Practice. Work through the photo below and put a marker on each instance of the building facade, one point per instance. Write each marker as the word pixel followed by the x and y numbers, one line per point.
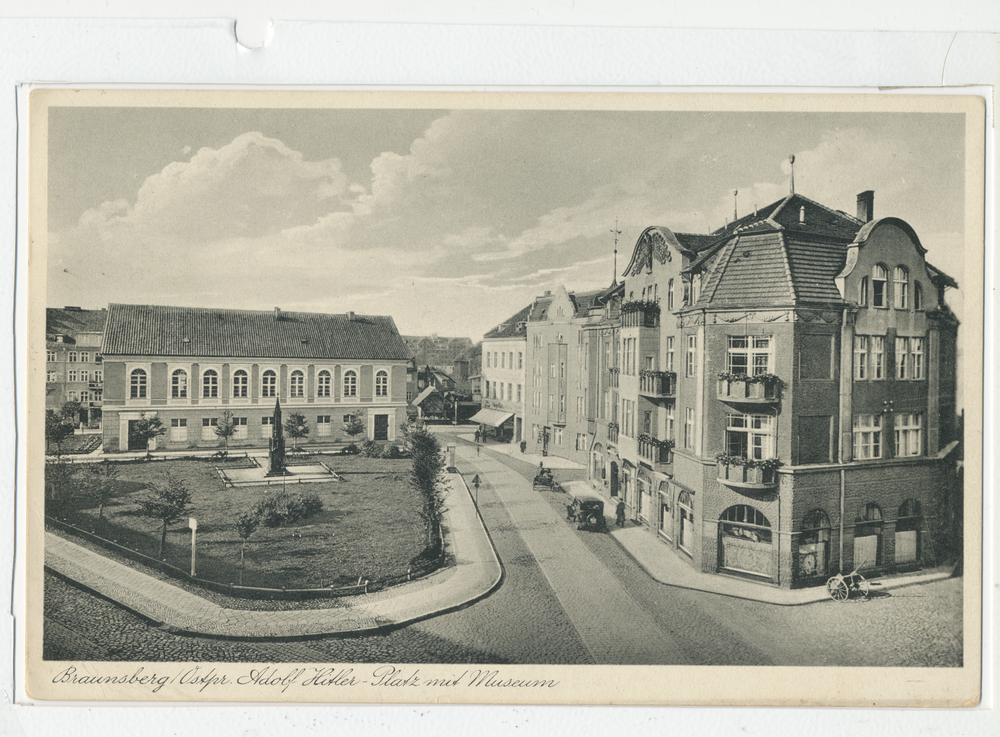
pixel 564 337
pixel 502 379
pixel 74 370
pixel 786 395
pixel 189 365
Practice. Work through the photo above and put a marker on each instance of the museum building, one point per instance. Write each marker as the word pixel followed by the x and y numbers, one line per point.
pixel 189 365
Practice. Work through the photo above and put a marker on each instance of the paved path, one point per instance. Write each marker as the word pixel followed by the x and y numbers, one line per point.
pixel 613 626
pixel 666 566
pixel 476 572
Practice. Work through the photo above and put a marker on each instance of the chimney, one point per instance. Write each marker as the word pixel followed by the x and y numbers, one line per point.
pixel 802 214
pixel 277 313
pixel 866 206
pixel 350 317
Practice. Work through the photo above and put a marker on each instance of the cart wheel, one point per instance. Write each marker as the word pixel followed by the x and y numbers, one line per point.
pixel 863 586
pixel 837 588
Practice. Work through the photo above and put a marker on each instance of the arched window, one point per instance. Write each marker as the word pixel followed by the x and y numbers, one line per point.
pixel 814 545
pixel 269 384
pixel 746 514
pixel 815 520
pixel 918 296
pixel 880 281
pixel 873 512
pixel 863 292
pixel 381 384
pixel 137 384
pixel 297 384
pixel 323 384
pixel 908 524
pixel 744 521
pixel 209 384
pixel 179 384
pixel 350 384
pixel 901 288
pixel 240 384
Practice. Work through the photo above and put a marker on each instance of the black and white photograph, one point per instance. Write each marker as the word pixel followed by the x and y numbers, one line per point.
pixel 505 397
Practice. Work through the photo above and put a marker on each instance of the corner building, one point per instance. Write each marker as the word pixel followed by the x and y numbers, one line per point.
pixel 786 395
pixel 189 365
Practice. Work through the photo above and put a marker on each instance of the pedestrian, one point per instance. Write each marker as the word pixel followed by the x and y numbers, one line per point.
pixel 620 514
pixel 478 435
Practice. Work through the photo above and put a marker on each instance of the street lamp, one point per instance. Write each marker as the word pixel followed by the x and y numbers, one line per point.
pixel 193 524
pixel 476 482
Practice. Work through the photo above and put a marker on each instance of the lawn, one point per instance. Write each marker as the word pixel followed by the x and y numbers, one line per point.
pixel 369 526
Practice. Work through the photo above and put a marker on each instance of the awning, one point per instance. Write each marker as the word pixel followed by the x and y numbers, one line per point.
pixel 423 395
pixel 491 417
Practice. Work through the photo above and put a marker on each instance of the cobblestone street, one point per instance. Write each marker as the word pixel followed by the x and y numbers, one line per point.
pixel 567 597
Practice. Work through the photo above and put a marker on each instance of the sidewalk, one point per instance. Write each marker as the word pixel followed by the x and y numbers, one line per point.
pixel 666 566
pixel 475 573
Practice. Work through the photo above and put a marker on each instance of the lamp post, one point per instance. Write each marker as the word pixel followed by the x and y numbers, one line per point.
pixel 193 524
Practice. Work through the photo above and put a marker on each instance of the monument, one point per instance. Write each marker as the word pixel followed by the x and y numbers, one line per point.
pixel 276 444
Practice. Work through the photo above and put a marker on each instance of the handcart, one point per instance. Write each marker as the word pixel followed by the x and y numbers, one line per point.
pixel 843 585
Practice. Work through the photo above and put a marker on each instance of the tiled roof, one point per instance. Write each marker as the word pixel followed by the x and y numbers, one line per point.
pixel 192 331
pixel 586 301
pixel 750 270
pixel 695 241
pixel 72 321
pixel 512 327
pixel 539 309
pixel 814 266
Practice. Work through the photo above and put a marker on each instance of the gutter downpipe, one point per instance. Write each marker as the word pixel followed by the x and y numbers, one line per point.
pixel 846 349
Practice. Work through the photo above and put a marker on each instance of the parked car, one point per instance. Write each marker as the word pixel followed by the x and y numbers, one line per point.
pixel 588 512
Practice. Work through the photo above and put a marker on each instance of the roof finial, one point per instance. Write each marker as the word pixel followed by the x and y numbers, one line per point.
pixel 735 215
pixel 791 178
pixel 614 275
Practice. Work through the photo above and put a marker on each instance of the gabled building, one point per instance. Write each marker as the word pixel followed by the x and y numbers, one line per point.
pixel 786 394
pixel 73 368
pixel 189 365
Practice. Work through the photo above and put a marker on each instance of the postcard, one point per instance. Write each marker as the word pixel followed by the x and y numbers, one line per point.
pixel 520 397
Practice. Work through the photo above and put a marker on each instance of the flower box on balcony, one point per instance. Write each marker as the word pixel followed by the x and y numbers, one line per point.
pixel 747 473
pixel 750 389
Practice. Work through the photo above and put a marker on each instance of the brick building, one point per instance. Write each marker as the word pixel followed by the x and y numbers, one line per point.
pixel 188 365
pixel 74 371
pixel 785 394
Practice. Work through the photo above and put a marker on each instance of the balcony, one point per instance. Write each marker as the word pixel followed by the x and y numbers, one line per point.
pixel 655 451
pixel 96 385
pixel 640 314
pixel 743 389
pixel 658 384
pixel 745 473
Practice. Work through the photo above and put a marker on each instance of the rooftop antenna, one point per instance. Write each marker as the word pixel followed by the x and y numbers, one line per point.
pixel 614 275
pixel 735 216
pixel 791 179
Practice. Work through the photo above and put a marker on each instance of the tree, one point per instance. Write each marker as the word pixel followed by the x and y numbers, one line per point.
pixel 71 412
pixel 168 501
pixel 59 486
pixel 104 481
pixel 296 427
pixel 245 526
pixel 56 430
pixel 225 428
pixel 354 427
pixel 427 477
pixel 147 428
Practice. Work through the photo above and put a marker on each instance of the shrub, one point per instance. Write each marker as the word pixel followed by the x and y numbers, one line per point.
pixel 350 450
pixel 391 451
pixel 370 449
pixel 283 509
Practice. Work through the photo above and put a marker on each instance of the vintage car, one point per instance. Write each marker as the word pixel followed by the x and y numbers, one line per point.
pixel 588 513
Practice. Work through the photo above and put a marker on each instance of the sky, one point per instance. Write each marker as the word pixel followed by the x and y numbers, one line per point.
pixel 449 221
